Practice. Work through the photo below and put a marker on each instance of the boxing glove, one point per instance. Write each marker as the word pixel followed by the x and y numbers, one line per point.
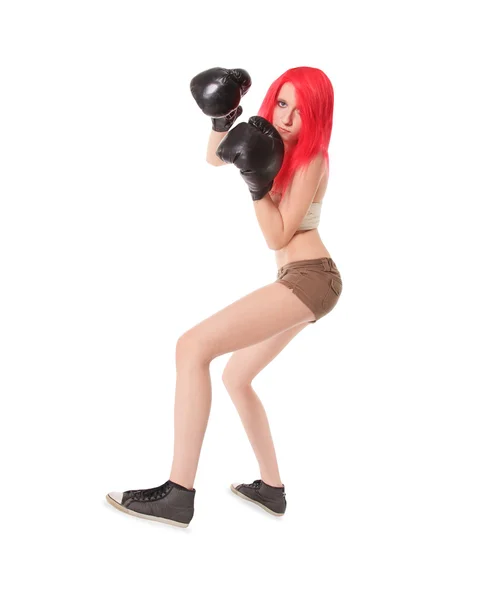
pixel 218 93
pixel 225 123
pixel 257 150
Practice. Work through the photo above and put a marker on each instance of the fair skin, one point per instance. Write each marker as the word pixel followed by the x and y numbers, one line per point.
pixel 255 329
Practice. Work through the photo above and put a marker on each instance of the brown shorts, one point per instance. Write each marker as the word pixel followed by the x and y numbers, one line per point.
pixel 316 281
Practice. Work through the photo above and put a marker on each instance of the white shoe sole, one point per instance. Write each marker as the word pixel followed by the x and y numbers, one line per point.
pixel 238 493
pixel 113 502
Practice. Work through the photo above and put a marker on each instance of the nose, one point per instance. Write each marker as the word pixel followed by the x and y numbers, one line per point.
pixel 287 120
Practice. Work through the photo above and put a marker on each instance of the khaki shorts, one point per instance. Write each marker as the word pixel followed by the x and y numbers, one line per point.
pixel 316 281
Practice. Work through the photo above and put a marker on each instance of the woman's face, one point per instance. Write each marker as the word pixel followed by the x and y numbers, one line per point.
pixel 286 117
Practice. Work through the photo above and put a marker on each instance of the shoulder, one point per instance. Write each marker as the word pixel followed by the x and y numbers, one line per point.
pixel 309 176
pixel 314 168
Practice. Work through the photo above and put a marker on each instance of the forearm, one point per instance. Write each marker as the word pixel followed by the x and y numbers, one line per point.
pixel 270 221
pixel 215 138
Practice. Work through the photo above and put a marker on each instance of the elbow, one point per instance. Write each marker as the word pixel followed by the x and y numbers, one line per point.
pixel 275 245
pixel 215 163
pixel 278 244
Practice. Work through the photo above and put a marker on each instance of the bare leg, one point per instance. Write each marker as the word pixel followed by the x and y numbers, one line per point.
pixel 243 366
pixel 191 414
pixel 252 319
pixel 256 424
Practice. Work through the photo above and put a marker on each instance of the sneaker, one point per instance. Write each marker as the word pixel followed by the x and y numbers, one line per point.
pixel 270 498
pixel 169 503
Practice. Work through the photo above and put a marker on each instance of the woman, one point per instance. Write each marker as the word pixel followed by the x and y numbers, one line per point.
pixel 292 130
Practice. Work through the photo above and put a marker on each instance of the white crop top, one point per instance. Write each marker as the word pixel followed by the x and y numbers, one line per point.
pixel 312 217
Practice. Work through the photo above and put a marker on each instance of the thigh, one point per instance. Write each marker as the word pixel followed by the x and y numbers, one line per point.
pixel 250 320
pixel 247 363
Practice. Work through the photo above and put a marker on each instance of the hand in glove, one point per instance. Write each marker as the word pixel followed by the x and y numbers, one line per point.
pixel 257 150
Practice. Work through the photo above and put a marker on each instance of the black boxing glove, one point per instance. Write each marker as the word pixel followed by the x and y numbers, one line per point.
pixel 257 150
pixel 218 93
pixel 225 123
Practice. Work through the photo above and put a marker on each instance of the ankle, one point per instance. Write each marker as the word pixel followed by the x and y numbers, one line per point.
pixel 273 482
pixel 181 484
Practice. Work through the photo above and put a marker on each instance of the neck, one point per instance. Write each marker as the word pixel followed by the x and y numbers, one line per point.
pixel 288 146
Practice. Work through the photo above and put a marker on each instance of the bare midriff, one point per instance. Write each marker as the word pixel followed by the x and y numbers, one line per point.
pixel 304 244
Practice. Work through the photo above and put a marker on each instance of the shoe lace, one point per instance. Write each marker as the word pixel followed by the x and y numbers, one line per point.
pixel 257 484
pixel 151 493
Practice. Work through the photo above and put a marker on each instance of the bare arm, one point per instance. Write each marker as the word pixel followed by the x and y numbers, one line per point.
pixel 270 221
pixel 215 139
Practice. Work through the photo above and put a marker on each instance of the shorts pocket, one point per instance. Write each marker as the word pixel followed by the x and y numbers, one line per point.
pixel 337 286
pixel 332 294
pixel 293 277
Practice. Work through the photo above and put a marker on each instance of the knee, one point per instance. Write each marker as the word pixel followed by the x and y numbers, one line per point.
pixel 190 346
pixel 233 379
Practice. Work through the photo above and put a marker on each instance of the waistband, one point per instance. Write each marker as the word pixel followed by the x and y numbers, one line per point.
pixel 325 263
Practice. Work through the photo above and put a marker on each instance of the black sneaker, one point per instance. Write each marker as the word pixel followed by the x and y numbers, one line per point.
pixel 169 503
pixel 269 497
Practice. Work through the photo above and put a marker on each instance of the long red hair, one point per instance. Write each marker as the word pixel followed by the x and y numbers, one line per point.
pixel 315 100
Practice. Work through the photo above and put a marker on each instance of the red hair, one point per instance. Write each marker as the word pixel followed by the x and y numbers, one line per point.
pixel 315 100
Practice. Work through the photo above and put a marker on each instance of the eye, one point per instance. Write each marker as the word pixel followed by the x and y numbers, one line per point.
pixel 279 102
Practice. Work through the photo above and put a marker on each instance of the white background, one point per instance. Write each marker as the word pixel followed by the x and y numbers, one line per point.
pixel 116 237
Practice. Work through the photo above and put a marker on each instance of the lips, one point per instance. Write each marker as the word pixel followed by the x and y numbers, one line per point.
pixel 282 129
